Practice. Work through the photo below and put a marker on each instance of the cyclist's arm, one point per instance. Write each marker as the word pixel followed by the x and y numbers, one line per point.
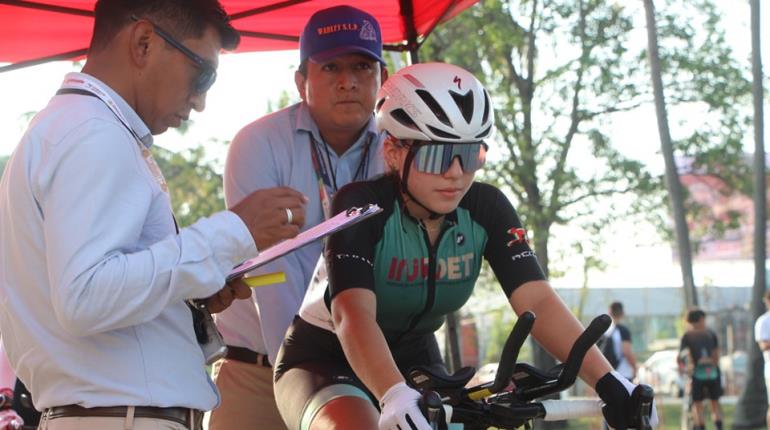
pixel 523 281
pixel 354 313
pixel 556 328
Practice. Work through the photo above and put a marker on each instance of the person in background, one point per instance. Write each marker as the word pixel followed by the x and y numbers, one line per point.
pixel 699 353
pixel 316 146
pixel 616 344
pixel 95 274
pixel 762 336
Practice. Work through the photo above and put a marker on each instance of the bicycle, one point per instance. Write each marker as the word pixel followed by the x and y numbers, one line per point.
pixel 496 404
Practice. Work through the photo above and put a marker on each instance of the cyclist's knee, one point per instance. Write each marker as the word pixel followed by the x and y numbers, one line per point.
pixel 346 413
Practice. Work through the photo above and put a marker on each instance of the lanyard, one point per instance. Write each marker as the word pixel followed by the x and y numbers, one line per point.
pixel 83 84
pixel 327 179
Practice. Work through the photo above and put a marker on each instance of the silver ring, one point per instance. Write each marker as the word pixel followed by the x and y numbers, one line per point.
pixel 289 216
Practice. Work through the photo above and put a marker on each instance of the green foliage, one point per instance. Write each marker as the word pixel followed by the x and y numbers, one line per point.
pixel 669 416
pixel 557 69
pixel 3 160
pixel 284 99
pixel 554 71
pixel 195 187
pixel 501 324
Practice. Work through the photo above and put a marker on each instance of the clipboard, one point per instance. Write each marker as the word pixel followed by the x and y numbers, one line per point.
pixel 334 224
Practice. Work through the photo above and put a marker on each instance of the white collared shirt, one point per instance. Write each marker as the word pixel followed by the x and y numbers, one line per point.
pixel 93 277
pixel 275 151
pixel 762 334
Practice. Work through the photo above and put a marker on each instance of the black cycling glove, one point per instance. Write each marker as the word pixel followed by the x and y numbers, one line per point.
pixel 621 408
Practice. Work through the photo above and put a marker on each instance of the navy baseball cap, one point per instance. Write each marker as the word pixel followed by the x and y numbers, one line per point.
pixel 340 30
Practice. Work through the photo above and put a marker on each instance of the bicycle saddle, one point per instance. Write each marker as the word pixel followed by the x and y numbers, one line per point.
pixel 436 377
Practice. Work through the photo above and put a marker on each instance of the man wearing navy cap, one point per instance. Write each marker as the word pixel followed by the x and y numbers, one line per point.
pixel 316 146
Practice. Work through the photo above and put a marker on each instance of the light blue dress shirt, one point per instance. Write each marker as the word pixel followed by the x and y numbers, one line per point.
pixel 275 151
pixel 93 276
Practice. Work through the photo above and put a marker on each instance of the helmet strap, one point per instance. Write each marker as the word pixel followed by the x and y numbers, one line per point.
pixel 405 188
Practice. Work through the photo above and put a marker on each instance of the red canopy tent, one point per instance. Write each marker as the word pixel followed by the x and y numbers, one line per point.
pixel 33 32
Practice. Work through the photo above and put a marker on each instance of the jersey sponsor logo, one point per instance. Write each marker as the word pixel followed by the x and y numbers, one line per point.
pixel 410 269
pixel 523 255
pixel 519 236
pixel 329 29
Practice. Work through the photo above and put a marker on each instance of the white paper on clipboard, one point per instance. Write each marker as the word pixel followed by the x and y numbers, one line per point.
pixel 336 223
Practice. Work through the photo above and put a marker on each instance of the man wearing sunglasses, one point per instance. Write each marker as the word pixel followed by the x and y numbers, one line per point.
pixel 94 273
pixel 315 146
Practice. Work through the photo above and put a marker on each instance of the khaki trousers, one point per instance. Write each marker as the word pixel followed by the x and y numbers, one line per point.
pixel 247 397
pixel 111 423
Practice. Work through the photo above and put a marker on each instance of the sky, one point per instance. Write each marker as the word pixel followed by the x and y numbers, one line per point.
pixel 248 82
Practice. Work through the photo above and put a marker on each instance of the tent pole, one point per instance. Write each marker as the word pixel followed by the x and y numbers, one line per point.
pixel 407 13
pixel 58 57
pixel 48 7
pixel 265 9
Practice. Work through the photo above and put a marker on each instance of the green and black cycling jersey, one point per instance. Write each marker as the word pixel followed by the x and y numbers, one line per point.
pixel 417 284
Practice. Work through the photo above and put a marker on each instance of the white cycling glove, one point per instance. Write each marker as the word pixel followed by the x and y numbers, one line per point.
pixel 400 410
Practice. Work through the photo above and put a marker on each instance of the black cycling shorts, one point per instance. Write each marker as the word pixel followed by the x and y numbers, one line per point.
pixel 311 370
pixel 701 390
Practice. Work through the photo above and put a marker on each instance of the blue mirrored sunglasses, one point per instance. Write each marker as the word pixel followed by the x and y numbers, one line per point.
pixel 437 157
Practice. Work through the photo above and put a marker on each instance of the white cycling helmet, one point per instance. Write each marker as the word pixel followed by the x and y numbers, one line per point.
pixel 436 102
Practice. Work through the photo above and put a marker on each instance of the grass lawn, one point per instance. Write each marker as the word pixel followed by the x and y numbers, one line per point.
pixel 669 416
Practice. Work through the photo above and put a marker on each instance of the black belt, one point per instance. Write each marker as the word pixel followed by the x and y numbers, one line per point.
pixel 177 415
pixel 245 355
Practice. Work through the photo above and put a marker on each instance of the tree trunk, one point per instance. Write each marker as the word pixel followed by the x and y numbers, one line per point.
pixel 752 404
pixel 672 175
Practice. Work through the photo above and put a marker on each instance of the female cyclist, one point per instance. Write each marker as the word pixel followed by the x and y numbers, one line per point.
pixel 394 277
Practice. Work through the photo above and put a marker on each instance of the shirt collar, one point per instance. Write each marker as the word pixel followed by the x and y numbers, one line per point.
pixel 305 123
pixel 134 121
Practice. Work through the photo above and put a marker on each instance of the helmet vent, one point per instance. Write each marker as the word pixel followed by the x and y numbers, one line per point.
pixel 379 104
pixel 443 134
pixel 402 117
pixel 484 133
pixel 434 107
pixel 487 103
pixel 464 102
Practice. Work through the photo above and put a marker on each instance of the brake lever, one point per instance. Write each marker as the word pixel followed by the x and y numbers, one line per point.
pixel 431 406
pixel 645 395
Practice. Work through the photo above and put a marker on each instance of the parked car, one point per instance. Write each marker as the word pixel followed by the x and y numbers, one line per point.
pixel 661 372
pixel 733 368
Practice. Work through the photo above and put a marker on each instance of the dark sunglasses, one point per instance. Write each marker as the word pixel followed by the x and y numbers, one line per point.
pixel 437 157
pixel 207 73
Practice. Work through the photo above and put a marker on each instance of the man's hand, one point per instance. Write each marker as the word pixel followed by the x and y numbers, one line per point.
pixel 272 214
pixel 235 289
pixel 9 419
